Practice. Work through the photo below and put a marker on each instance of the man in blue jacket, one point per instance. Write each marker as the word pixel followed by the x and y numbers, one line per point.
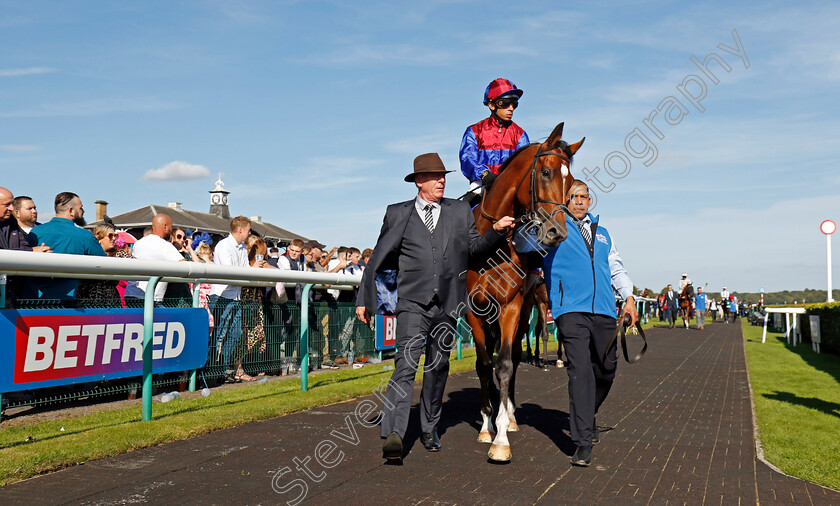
pixel 700 308
pixel 581 274
pixel 64 235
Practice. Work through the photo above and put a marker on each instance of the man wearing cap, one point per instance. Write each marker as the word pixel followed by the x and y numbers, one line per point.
pixel 488 143
pixel 317 250
pixel 427 240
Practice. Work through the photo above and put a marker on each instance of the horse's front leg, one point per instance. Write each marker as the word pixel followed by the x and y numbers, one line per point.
pixel 516 358
pixel 484 368
pixel 509 320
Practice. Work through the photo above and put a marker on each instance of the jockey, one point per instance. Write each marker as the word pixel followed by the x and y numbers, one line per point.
pixel 488 143
pixel 685 281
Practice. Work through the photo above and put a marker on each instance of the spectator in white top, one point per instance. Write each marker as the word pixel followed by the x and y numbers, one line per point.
pixel 155 246
pixel 223 300
pixel 337 265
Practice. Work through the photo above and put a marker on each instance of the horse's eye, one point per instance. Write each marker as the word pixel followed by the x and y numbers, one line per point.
pixel 546 173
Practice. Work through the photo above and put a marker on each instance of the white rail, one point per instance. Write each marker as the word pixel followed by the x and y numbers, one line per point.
pixel 24 263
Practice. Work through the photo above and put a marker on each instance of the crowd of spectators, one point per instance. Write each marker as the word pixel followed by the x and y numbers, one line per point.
pixel 233 335
pixel 726 307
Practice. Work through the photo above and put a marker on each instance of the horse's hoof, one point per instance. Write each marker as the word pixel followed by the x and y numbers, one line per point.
pixel 485 437
pixel 499 453
pixel 513 426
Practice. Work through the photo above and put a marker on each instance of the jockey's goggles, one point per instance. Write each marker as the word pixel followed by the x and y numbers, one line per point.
pixel 504 103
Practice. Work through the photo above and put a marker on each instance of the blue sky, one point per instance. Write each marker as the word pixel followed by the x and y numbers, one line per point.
pixel 313 111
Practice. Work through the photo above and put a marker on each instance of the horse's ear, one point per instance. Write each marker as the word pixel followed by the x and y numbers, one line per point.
pixel 576 146
pixel 555 136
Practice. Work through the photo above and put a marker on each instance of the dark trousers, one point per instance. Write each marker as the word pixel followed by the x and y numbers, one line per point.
pixel 585 337
pixel 419 329
pixel 227 314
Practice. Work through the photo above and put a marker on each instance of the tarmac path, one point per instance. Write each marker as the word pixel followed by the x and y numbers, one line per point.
pixel 682 433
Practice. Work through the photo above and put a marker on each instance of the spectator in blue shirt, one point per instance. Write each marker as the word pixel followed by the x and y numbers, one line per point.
pixel 700 308
pixel 64 235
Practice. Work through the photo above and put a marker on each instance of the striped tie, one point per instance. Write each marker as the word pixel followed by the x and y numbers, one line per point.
pixel 584 231
pixel 430 220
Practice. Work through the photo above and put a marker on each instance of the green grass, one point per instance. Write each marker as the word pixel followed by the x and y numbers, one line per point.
pixel 797 403
pixel 112 432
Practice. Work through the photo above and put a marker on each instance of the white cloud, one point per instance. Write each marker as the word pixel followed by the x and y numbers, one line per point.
pixel 20 148
pixel 92 107
pixel 29 71
pixel 177 171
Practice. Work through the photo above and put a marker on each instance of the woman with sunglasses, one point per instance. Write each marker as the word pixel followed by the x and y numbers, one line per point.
pixel 488 143
pixel 101 292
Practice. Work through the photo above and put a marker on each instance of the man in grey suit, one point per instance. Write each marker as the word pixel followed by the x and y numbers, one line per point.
pixel 672 306
pixel 428 241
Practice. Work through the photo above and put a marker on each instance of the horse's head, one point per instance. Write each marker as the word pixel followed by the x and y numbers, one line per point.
pixel 544 198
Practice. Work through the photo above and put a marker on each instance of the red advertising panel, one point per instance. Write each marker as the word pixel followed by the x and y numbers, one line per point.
pixel 42 348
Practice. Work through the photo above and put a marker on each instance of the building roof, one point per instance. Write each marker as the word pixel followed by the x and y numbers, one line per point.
pixel 196 221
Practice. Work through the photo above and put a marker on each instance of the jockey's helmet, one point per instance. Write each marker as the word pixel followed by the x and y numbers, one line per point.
pixel 500 87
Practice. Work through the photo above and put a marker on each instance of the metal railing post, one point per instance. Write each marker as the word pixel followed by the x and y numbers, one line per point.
pixel 148 335
pixel 196 303
pixel 304 337
pixel 459 336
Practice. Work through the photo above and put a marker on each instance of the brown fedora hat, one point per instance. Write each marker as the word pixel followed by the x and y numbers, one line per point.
pixel 426 164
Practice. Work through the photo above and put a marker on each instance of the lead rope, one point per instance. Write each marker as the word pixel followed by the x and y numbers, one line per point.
pixel 622 331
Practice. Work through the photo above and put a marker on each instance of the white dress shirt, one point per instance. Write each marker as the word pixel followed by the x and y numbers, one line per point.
pixel 152 247
pixel 228 252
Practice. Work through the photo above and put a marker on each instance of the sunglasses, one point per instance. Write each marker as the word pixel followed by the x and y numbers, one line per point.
pixel 111 236
pixel 179 236
pixel 504 103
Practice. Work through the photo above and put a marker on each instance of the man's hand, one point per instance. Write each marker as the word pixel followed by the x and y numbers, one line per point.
pixel 43 248
pixel 504 223
pixel 362 314
pixel 630 308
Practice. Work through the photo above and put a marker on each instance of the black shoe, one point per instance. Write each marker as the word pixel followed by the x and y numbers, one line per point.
pixel 392 448
pixel 596 436
pixel 582 456
pixel 430 441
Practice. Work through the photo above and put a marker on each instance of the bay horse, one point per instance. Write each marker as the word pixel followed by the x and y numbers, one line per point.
pixel 532 186
pixel 685 303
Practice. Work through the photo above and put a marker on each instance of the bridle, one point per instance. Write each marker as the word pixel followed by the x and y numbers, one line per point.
pixel 531 214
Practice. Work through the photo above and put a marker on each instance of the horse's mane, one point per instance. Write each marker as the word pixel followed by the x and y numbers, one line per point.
pixel 561 144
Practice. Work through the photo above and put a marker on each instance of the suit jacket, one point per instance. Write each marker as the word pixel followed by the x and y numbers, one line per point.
pixel 460 239
pixel 672 301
